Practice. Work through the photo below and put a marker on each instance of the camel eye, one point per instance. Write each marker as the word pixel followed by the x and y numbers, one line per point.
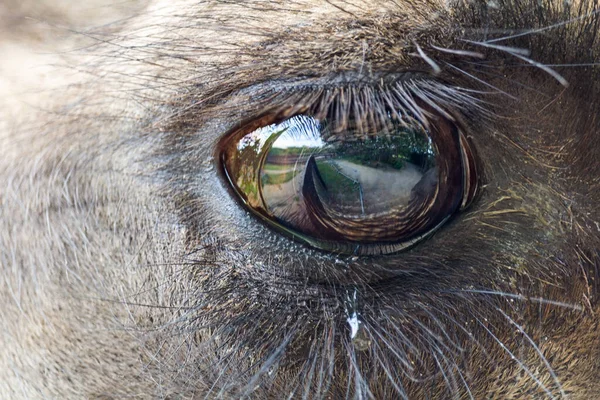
pixel 350 190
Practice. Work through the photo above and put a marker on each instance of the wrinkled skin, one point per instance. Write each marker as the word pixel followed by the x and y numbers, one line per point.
pixel 129 269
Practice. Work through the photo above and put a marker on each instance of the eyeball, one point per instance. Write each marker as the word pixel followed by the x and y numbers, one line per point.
pixel 351 191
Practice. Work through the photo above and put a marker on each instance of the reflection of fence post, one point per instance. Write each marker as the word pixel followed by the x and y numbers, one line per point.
pixel 354 181
pixel 360 193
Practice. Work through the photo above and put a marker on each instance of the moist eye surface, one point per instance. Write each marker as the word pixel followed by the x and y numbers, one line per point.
pixel 358 187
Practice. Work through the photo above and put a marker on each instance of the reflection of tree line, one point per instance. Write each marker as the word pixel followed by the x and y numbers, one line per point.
pixel 393 152
pixel 286 159
pixel 296 159
pixel 246 166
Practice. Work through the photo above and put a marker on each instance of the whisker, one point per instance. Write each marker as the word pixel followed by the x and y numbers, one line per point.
pixel 269 362
pixel 524 298
pixel 546 28
pixel 361 386
pixel 466 385
pixel 516 359
pixel 507 49
pixel 434 66
pixel 391 377
pixel 521 55
pixel 515 82
pixel 482 82
pixel 537 350
pixel 465 53
pixel 554 65
pixel 546 69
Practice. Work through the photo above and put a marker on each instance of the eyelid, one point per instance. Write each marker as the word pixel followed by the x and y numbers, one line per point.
pixel 365 110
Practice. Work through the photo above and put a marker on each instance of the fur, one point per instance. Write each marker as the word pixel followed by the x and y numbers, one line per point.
pixel 130 270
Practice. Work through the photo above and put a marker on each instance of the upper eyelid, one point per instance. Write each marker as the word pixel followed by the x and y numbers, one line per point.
pixel 406 94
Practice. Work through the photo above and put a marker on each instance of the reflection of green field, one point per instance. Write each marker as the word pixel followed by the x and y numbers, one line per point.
pixel 334 181
pixel 394 161
pixel 250 190
pixel 278 179
pixel 277 167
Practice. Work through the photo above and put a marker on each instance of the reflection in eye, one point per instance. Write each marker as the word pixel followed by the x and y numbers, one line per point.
pixel 351 192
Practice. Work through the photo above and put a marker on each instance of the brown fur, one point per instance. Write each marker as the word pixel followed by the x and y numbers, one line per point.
pixel 129 269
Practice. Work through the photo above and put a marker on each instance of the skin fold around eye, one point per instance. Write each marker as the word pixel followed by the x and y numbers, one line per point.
pixel 374 180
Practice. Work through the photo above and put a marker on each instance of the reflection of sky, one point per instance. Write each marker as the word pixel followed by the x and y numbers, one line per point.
pixel 286 141
pixel 302 131
pixel 258 137
pixel 298 131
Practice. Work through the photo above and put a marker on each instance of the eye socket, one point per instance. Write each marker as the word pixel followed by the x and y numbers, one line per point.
pixel 344 183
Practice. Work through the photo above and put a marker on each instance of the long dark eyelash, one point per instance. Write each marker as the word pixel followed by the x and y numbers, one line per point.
pixel 368 109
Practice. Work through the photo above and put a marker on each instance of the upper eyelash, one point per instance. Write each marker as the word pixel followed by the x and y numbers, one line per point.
pixel 369 108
